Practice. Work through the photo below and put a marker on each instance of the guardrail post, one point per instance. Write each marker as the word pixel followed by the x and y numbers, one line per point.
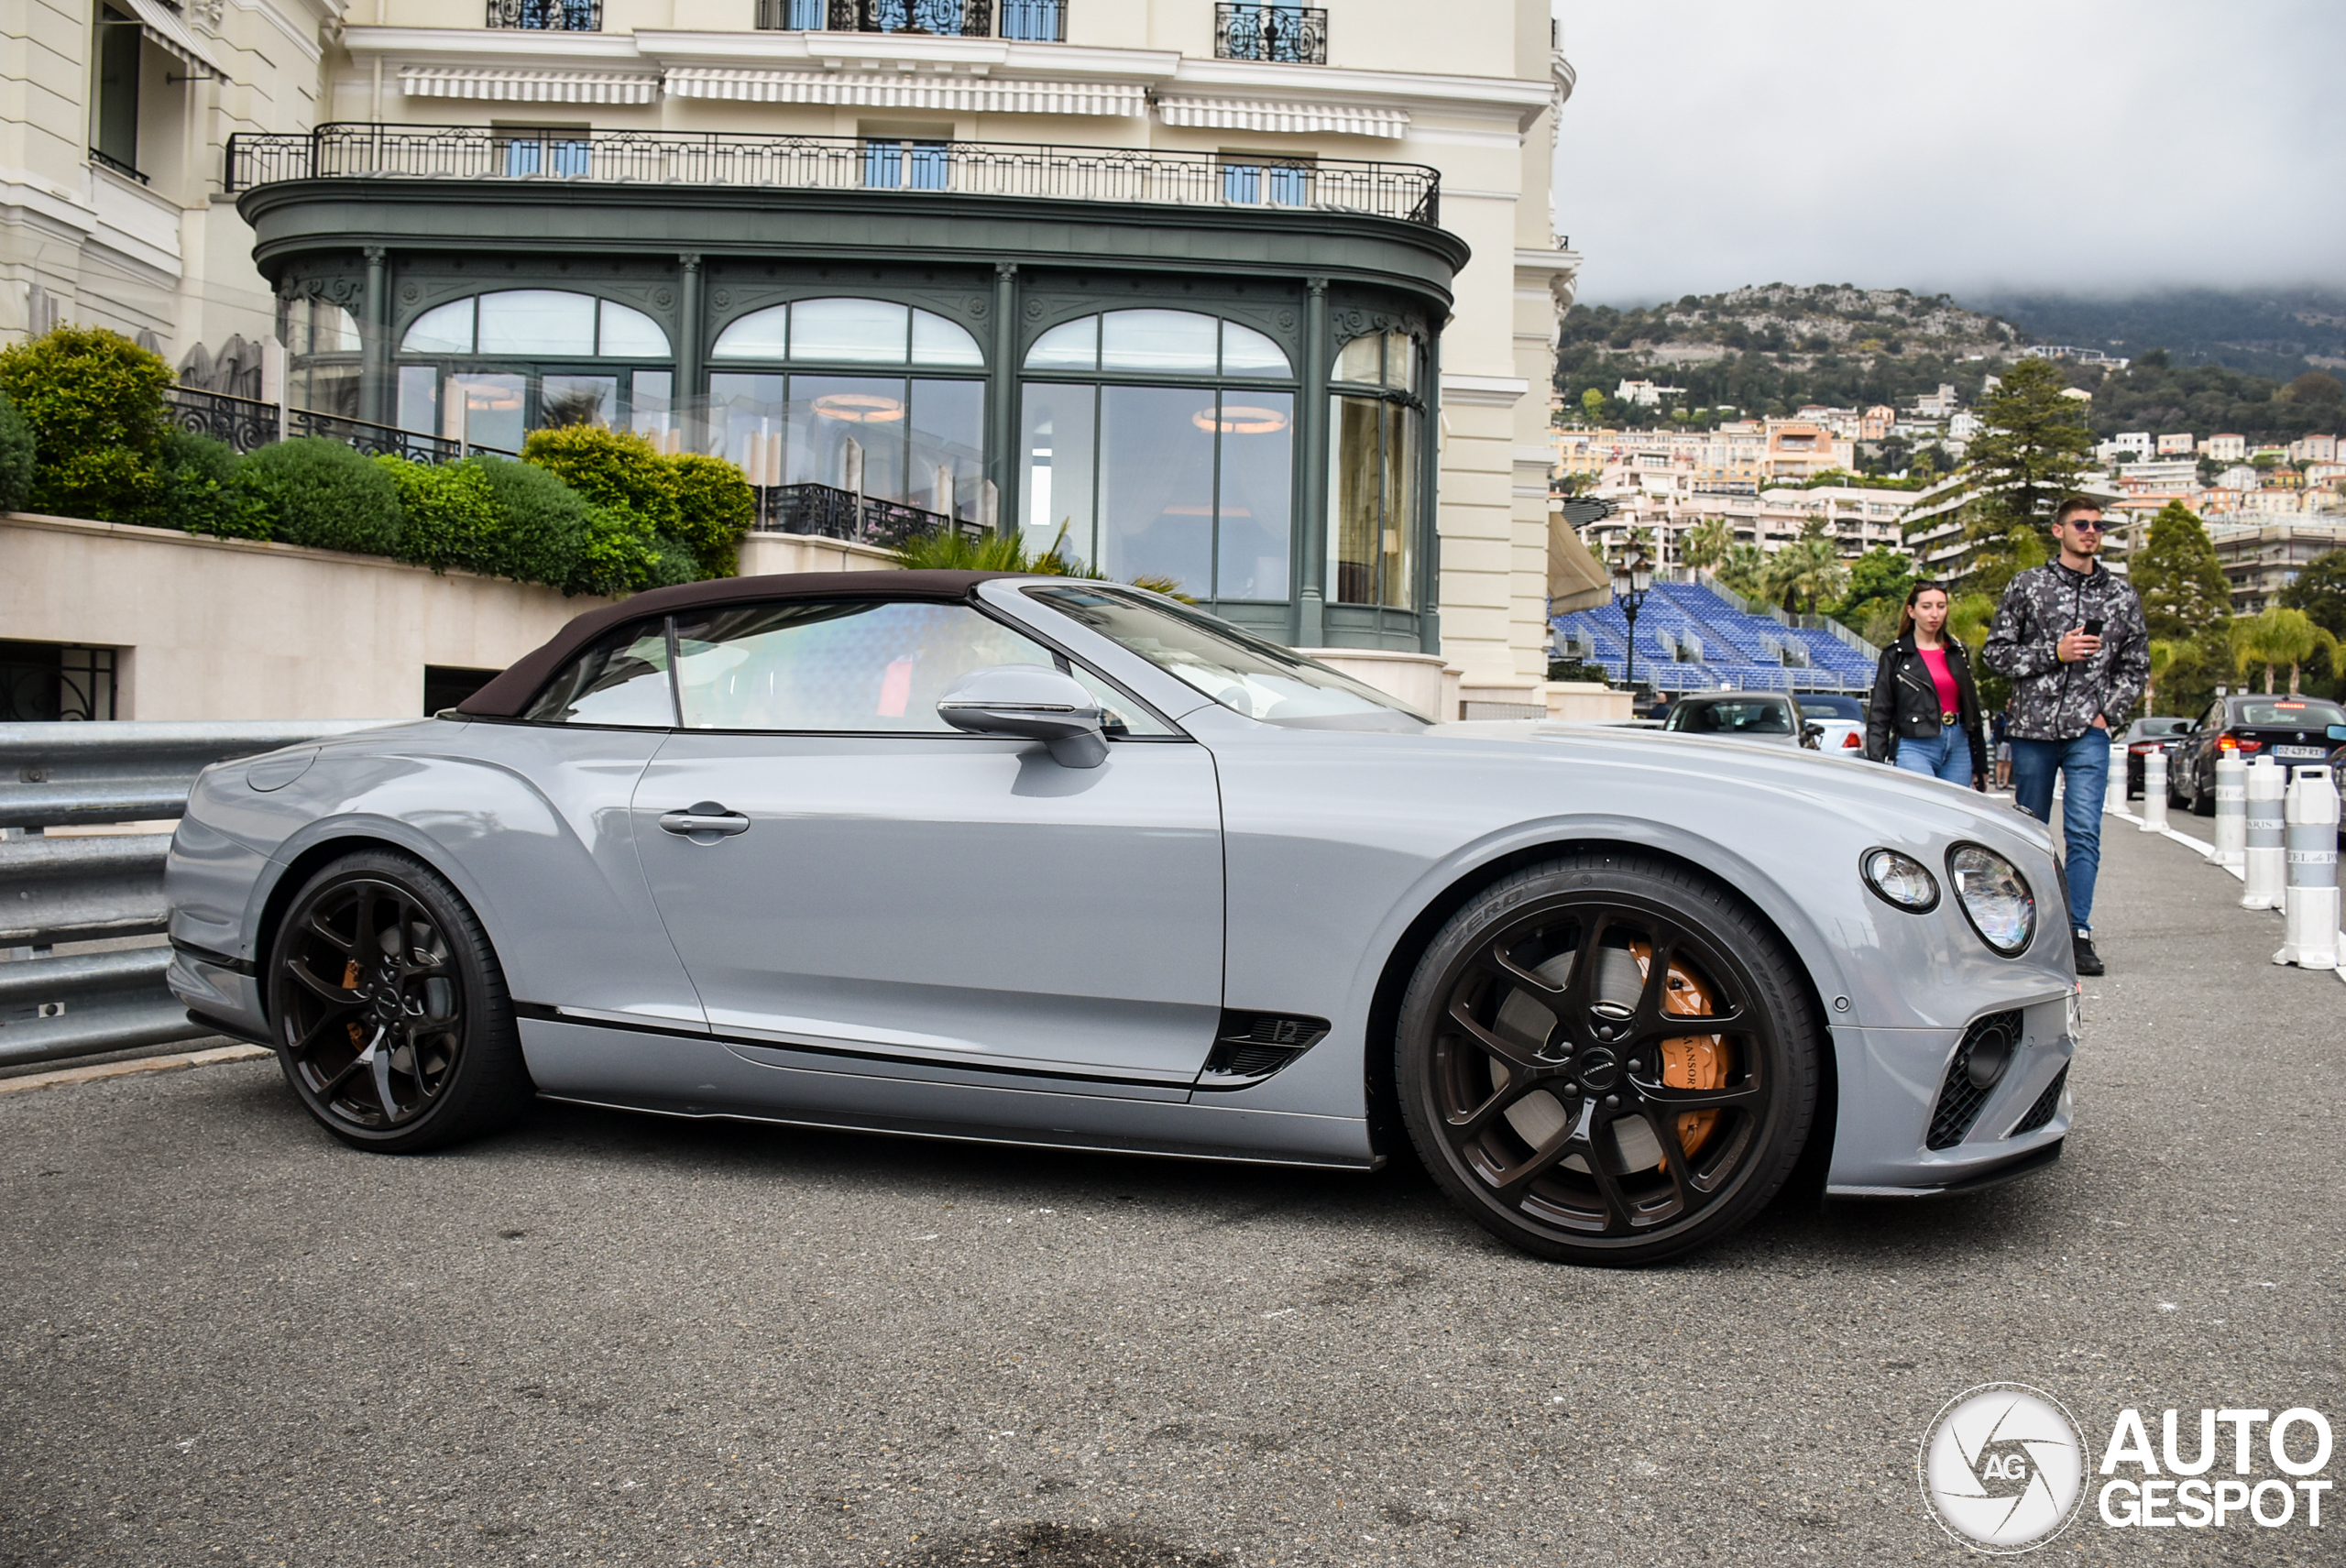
pixel 2264 868
pixel 2310 900
pixel 2154 791
pixel 2231 810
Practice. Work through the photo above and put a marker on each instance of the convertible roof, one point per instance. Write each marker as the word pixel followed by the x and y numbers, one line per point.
pixel 510 693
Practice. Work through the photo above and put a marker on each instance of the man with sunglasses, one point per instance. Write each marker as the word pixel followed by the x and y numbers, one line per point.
pixel 2071 636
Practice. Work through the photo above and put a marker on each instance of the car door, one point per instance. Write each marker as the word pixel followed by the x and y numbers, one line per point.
pixel 882 886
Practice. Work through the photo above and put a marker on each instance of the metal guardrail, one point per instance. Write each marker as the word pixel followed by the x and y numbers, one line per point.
pixel 77 888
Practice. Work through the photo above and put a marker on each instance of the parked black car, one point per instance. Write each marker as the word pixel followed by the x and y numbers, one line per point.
pixel 2146 736
pixel 2289 729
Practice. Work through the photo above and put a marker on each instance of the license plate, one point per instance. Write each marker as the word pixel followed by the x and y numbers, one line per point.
pixel 2300 754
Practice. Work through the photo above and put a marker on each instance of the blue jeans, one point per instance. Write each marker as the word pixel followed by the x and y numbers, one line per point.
pixel 1946 755
pixel 2084 765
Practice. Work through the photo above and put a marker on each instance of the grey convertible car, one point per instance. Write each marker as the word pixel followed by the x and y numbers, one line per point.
pixel 1051 861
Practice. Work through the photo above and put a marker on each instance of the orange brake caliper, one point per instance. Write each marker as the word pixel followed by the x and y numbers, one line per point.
pixel 1689 1061
pixel 350 982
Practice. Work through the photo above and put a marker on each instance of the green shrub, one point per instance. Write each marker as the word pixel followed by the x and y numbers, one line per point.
pixel 612 468
pixel 198 492
pixel 16 457
pixel 617 558
pixel 94 402
pixel 714 507
pixel 544 524
pixel 673 561
pixel 321 493
pixel 448 516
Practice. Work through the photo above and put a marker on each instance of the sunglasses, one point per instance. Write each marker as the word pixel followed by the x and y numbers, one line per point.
pixel 2083 526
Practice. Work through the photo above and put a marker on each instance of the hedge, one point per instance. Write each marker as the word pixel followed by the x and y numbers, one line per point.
pixel 325 494
pixel 16 457
pixel 95 402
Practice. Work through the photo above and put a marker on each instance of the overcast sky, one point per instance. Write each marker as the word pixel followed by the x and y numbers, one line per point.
pixel 2077 145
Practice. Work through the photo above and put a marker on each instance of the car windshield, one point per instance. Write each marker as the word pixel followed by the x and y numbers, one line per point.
pixel 1826 706
pixel 1244 673
pixel 2288 713
pixel 2164 726
pixel 1733 715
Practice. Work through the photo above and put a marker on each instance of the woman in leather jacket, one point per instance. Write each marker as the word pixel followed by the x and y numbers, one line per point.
pixel 1924 715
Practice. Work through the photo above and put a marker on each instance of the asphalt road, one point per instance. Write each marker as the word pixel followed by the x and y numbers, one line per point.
pixel 605 1339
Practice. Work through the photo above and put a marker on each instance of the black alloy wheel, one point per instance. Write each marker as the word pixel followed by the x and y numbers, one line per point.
pixel 1608 1059
pixel 393 1020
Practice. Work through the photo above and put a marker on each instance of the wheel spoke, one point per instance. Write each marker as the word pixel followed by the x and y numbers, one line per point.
pixel 383 1082
pixel 1609 1186
pixel 1673 1158
pixel 335 995
pixel 1498 1044
pixel 1580 987
pixel 329 1021
pixel 1502 1100
pixel 1542 989
pixel 365 1058
pixel 1512 1182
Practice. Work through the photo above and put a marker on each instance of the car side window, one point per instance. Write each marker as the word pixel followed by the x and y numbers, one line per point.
pixel 852 666
pixel 622 680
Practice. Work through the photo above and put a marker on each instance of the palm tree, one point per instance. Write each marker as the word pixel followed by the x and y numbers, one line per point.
pixel 2293 640
pixel 1706 544
pixel 1743 570
pixel 1807 570
pixel 1968 616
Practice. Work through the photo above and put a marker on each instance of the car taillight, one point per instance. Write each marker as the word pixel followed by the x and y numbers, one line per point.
pixel 2234 743
pixel 1850 743
pixel 2139 750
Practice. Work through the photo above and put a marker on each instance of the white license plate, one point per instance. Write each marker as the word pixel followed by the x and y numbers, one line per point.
pixel 2300 754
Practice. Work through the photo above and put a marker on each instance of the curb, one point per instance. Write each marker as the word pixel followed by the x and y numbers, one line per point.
pixel 172 1063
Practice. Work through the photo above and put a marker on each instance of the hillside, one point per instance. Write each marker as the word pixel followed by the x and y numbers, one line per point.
pixel 1769 349
pixel 2279 333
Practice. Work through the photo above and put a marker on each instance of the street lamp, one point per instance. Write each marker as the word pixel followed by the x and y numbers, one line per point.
pixel 1631 579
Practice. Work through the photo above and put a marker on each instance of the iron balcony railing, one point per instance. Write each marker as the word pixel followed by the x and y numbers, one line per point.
pixel 1043 19
pixel 548 16
pixel 245 423
pixel 1294 35
pixel 827 511
pixel 1406 191
pixel 107 160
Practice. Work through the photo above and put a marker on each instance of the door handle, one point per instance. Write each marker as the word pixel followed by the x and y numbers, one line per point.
pixel 704 816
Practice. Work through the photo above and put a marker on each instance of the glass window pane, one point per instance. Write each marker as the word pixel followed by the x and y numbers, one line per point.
pixel 871 332
pixel 1058 429
pixel 1156 484
pixel 1246 352
pixel 1400 361
pixel 748 416
pixel 537 321
pixel 1158 340
pixel 858 666
pixel 945 444
pixel 1358 360
pixel 1255 495
pixel 1071 346
pixel 578 400
pixel 420 399
pixel 329 387
pixel 649 402
pixel 490 408
pixel 630 334
pixel 1356 499
pixel 937 341
pixel 622 679
pixel 1397 544
pixel 761 334
pixel 444 329
pixel 831 416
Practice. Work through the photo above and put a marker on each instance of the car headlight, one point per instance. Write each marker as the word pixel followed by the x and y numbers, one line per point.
pixel 1900 879
pixel 1995 898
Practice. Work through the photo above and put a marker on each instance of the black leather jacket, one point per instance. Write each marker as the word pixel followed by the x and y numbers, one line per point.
pixel 1905 701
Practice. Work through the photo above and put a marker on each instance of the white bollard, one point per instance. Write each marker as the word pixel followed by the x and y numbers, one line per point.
pixel 2310 904
pixel 2266 876
pixel 2154 792
pixel 2231 810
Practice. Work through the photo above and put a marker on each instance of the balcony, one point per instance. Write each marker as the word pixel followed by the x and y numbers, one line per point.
pixel 547 16
pixel 912 170
pixel 1044 20
pixel 1292 35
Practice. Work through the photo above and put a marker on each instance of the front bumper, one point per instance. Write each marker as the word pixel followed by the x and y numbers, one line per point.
pixel 217 995
pixel 1891 1082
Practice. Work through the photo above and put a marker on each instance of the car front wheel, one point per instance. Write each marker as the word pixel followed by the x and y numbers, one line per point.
pixel 392 1020
pixel 1608 1059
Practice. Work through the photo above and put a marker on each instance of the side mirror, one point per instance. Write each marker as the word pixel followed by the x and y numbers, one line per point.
pixel 1028 702
pixel 1812 734
pixel 2338 733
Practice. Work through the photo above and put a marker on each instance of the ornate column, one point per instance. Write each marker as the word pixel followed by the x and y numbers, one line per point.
pixel 1003 456
pixel 375 340
pixel 692 391
pixel 1312 428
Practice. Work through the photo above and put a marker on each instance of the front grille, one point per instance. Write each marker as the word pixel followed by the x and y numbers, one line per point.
pixel 1960 1100
pixel 2047 1104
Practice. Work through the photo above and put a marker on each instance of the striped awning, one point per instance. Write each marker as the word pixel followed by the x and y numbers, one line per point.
pixel 529 86
pixel 1256 114
pixel 167 31
pixel 963 94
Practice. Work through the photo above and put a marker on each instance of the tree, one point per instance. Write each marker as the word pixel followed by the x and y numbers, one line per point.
pixel 2279 635
pixel 1878 580
pixel 1706 543
pixel 2320 591
pixel 1806 571
pixel 1742 571
pixel 2029 455
pixel 2162 652
pixel 2175 571
pixel 1592 403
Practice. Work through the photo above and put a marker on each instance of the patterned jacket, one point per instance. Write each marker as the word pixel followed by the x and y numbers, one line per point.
pixel 2051 700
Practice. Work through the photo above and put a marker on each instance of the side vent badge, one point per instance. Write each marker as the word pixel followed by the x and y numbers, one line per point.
pixel 1250 1046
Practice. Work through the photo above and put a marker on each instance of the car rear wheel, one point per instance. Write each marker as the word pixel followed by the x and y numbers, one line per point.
pixel 2203 800
pixel 1608 1059
pixel 392 1020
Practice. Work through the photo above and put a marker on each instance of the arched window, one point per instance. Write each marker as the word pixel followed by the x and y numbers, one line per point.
pixel 1155 446
pixel 491 367
pixel 818 421
pixel 1376 426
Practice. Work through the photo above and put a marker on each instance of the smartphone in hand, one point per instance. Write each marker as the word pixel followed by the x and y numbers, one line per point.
pixel 2093 626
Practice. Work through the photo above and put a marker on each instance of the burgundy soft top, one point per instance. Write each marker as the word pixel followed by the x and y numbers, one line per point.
pixel 510 693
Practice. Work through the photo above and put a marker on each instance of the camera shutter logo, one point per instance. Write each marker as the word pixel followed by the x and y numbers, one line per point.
pixel 2002 1468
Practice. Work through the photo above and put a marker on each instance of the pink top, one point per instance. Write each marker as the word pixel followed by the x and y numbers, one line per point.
pixel 1943 678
